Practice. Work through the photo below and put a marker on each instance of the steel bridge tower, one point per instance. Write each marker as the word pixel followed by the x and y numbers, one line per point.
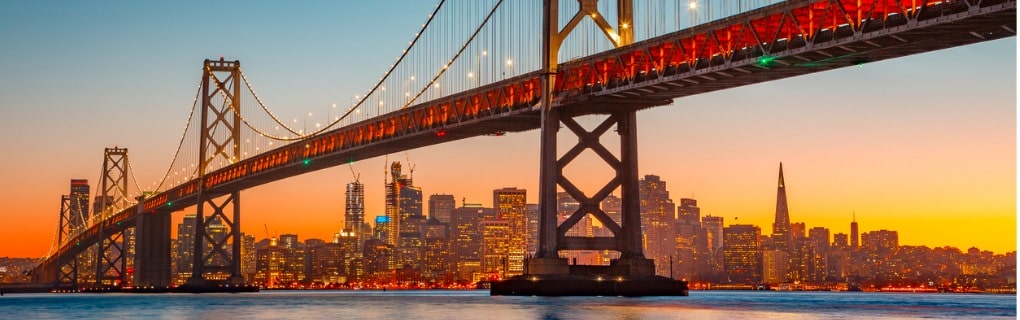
pixel 220 139
pixel 65 274
pixel 111 258
pixel 547 273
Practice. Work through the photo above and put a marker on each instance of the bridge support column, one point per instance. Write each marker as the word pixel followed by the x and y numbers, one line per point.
pixel 547 273
pixel 218 241
pixel 152 248
pixel 217 251
pixel 111 256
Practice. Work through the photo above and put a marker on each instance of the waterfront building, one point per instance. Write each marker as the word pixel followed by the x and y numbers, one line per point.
pixel 509 204
pixel 658 222
pixel 741 254
pixel 495 249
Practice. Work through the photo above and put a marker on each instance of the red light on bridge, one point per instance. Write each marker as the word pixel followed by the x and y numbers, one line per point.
pixel 441 133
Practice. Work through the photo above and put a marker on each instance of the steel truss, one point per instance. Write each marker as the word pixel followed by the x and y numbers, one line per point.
pixel 110 259
pixel 221 107
pixel 66 273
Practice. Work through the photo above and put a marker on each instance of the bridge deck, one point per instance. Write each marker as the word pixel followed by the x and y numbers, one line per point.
pixel 771 43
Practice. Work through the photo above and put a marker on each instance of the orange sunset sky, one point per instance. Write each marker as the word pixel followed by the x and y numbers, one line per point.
pixel 924 145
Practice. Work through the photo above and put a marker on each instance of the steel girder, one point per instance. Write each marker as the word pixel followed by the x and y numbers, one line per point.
pixel 211 254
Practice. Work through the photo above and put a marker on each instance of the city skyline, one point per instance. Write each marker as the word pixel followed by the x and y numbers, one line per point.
pixel 944 176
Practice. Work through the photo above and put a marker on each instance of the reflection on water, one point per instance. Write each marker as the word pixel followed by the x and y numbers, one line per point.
pixel 479 305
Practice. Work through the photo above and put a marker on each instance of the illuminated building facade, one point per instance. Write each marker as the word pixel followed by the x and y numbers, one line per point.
pixel 441 207
pixel 741 257
pixel 658 222
pixel 510 205
pixel 495 248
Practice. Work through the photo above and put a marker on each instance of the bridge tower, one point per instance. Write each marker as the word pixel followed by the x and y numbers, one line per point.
pixel 66 272
pixel 547 273
pixel 627 234
pixel 220 139
pixel 111 258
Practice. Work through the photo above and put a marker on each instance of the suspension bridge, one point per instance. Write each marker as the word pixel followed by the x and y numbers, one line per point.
pixel 490 67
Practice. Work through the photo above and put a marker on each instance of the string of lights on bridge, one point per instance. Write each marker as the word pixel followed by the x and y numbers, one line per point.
pixel 479 43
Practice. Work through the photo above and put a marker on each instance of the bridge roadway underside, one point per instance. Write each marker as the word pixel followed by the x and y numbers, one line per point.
pixel 790 59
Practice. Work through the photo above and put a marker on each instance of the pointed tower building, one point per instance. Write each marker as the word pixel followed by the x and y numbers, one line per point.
pixel 781 226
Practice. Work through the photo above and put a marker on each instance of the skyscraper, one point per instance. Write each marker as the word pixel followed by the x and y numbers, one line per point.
pixel 510 206
pixel 781 226
pixel 185 247
pixel 854 235
pixel 818 266
pixel 437 249
pixel 396 209
pixel 441 206
pixel 658 221
pixel 496 237
pixel 79 204
pixel 532 228
pixel 741 259
pixel 403 203
pixel 466 238
pixel 354 214
pixel 248 256
pixel 713 227
pixel 692 253
pixel 382 228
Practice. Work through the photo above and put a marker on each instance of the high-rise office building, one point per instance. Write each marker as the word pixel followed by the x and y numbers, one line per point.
pixel 402 200
pixel 854 235
pixel 437 249
pixel 510 207
pixel 613 207
pixel 354 214
pixel 713 227
pixel 441 207
pixel 781 226
pixel 840 241
pixel 692 255
pixel 533 218
pixel 495 253
pixel 818 265
pixel 382 228
pixel 466 238
pixel 881 242
pixel 658 221
pixel 377 259
pixel 774 263
pixel 248 256
pixel 185 249
pixel 567 205
pixel 800 253
pixel 688 212
pixel 79 210
pixel 741 258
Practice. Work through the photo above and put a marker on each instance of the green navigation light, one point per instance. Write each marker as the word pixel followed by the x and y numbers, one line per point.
pixel 306 162
pixel 766 61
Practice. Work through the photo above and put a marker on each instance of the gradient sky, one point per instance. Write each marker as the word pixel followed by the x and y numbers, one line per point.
pixel 925 145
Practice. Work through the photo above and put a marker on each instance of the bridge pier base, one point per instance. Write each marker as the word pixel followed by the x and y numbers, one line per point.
pixel 152 249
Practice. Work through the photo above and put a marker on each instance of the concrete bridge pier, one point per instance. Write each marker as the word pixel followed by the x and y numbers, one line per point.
pixel 152 249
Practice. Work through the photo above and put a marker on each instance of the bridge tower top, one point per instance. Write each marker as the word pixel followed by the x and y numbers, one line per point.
pixel 220 134
pixel 113 185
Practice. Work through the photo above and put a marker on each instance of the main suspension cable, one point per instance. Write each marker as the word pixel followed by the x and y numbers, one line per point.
pixel 455 56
